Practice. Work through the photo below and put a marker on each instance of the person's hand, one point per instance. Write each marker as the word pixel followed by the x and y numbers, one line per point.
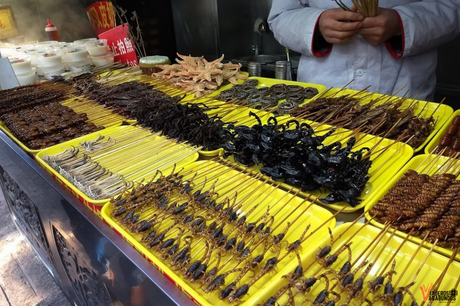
pixel 379 29
pixel 338 26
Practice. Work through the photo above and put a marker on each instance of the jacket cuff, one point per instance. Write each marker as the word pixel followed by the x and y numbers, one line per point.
pixel 396 44
pixel 319 46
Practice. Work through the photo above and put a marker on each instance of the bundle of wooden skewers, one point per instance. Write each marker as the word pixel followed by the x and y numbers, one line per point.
pixel 369 8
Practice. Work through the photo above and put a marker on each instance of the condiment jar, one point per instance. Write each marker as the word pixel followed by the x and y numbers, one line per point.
pixel 148 64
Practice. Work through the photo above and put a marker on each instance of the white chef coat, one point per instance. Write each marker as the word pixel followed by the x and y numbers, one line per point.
pixel 425 25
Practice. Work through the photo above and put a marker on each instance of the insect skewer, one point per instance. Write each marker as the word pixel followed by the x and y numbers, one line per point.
pixel 275 227
pixel 351 237
pixel 373 243
pixel 268 195
pixel 411 259
pixel 397 251
pixel 253 248
pixel 381 272
pixel 279 201
pixel 203 212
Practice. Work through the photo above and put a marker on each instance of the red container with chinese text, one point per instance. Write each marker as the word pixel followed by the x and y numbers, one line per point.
pixel 121 45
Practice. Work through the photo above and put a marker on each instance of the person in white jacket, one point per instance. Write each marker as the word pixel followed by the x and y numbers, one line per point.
pixel 395 48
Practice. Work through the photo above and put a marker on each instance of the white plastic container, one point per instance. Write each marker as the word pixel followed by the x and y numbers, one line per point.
pixel 103 60
pixel 33 56
pixel 49 59
pixel 21 65
pixel 26 78
pixel 97 48
pixel 76 55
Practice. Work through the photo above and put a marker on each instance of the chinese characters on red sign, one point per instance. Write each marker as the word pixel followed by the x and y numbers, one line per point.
pixel 121 45
pixel 102 16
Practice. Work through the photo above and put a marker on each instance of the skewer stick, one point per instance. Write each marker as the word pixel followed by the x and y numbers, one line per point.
pixel 397 251
pixel 410 260
pixel 440 278
pixel 455 288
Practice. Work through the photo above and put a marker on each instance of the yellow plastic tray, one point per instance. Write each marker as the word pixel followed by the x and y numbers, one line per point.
pixel 441 115
pixel 268 82
pixel 315 215
pixel 148 165
pixel 383 168
pixel 426 164
pixel 437 138
pixel 428 274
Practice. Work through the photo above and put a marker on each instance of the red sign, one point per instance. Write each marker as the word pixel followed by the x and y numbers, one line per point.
pixel 121 45
pixel 102 16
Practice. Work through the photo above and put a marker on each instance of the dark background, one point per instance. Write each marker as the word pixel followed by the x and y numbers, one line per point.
pixel 197 27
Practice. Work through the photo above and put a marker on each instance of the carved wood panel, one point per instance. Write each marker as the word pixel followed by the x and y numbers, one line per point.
pixel 87 286
pixel 25 211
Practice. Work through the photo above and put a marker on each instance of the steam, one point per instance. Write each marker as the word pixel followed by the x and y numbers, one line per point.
pixel 68 16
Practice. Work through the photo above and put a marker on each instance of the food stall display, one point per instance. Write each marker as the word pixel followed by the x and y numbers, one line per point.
pixel 247 224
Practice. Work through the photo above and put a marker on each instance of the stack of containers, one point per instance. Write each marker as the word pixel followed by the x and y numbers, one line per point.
pixel 22 67
pixel 50 62
pixel 76 58
pixel 99 52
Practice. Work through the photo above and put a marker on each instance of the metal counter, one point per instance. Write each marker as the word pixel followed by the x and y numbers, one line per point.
pixel 89 261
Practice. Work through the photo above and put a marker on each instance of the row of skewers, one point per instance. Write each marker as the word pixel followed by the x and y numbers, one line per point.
pixel 368 279
pixel 424 205
pixel 212 240
pixel 22 97
pixel 449 144
pixel 158 111
pixel 103 166
pixel 46 125
pixel 335 167
pixel 212 232
pixel 395 117
pixel 380 116
pixel 294 153
pixel 268 97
